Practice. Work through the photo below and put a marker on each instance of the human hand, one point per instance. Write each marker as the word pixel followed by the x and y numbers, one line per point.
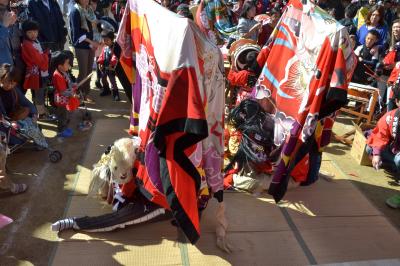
pixel 360 59
pixel 376 161
pixel 373 50
pixel 95 45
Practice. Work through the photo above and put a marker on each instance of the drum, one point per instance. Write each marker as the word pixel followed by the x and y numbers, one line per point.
pixel 106 26
pixel 239 50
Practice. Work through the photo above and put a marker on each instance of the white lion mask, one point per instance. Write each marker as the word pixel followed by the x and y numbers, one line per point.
pixel 122 156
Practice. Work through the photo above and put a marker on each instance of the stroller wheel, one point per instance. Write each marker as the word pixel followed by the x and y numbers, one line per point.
pixel 55 156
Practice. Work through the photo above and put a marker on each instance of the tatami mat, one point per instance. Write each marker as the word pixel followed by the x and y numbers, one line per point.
pixel 328 222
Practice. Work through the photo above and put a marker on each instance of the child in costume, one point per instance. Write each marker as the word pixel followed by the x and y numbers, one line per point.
pixel 64 91
pixel 37 65
pixel 107 62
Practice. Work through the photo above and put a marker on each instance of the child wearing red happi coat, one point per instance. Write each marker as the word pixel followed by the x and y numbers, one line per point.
pixel 64 91
pixel 37 64
pixel 107 63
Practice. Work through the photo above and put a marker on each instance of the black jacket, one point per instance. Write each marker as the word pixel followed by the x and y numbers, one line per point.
pixel 77 32
pixel 51 22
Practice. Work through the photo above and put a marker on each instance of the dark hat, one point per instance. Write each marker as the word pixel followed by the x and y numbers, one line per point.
pixel 30 25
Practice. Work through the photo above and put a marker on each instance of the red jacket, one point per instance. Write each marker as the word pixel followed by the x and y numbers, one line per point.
pixel 35 61
pixel 113 61
pixel 382 134
pixel 390 58
pixel 394 74
pixel 238 78
pixel 60 84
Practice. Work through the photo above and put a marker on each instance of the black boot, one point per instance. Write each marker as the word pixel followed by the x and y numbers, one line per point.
pixel 106 91
pixel 116 95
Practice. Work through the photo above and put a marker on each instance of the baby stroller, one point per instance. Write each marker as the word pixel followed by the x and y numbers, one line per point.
pixel 24 132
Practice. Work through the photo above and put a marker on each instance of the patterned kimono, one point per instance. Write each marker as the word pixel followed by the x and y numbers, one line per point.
pixel 178 105
pixel 308 64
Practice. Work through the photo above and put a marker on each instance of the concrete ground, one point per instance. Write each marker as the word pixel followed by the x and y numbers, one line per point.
pixel 331 222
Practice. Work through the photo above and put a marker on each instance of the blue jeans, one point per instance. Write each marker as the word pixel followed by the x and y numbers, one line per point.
pixel 388 157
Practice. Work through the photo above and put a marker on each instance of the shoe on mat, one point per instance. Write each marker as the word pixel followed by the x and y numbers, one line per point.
pixel 88 100
pixel 105 92
pixel 85 126
pixel 66 133
pixel 116 95
pixel 394 201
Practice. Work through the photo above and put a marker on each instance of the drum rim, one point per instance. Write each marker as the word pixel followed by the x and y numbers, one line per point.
pixel 239 49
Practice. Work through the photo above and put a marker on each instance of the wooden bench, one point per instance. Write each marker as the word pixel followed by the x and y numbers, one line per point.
pixel 365 98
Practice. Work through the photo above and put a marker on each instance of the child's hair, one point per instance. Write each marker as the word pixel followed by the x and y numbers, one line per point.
pixel 9 73
pixel 70 57
pixel 108 34
pixel 30 25
pixel 246 8
pixel 58 58
pixel 351 10
pixel 375 33
pixel 250 58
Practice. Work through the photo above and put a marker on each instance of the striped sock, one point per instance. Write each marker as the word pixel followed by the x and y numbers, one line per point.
pixel 64 224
